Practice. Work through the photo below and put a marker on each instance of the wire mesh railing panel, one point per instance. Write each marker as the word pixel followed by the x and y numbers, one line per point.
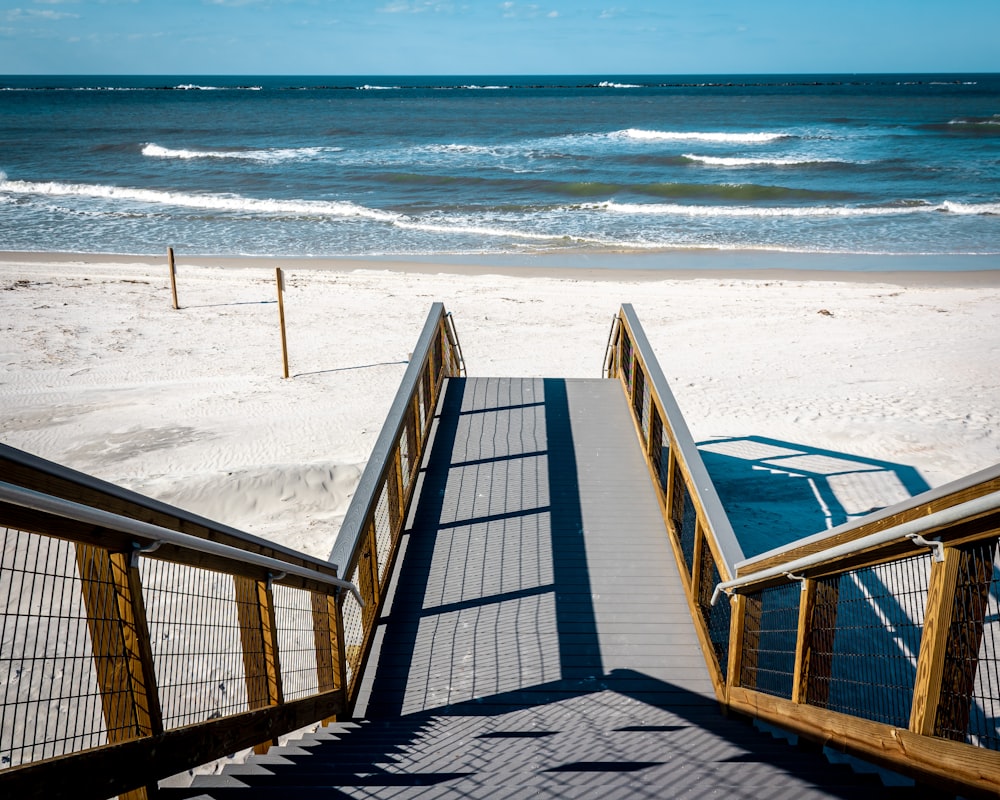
pixel 625 362
pixel 659 450
pixel 871 621
pixel 647 408
pixel 684 517
pixel 639 396
pixel 195 638
pixel 384 525
pixel 354 634
pixel 423 399
pixel 51 701
pixel 969 708
pixel 718 617
pixel 406 450
pixel 293 616
pixel 768 663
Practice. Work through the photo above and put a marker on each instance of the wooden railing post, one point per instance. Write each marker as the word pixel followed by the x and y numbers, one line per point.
pixel 803 651
pixel 957 599
pixel 123 661
pixel 753 609
pixel 259 636
pixel 395 491
pixel 324 614
pixel 736 627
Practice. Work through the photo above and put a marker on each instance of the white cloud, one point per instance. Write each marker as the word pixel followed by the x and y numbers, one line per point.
pixel 235 3
pixel 20 14
pixel 406 7
pixel 512 10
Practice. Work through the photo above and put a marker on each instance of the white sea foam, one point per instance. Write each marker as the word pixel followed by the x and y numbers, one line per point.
pixel 213 202
pixel 152 150
pixel 196 87
pixel 714 161
pixel 699 136
pixel 613 85
pixel 678 209
pixel 971 208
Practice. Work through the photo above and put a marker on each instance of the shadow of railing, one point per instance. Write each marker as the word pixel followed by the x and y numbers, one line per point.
pixel 777 492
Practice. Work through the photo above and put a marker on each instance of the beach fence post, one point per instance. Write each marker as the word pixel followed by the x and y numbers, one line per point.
pixel 173 276
pixel 281 318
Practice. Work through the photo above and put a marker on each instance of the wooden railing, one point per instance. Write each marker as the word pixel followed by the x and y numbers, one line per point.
pixel 140 640
pixel 703 540
pixel 369 536
pixel 880 638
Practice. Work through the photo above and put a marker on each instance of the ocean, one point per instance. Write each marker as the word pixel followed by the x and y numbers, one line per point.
pixel 415 166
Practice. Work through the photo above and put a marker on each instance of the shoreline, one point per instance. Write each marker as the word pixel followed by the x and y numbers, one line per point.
pixel 971 271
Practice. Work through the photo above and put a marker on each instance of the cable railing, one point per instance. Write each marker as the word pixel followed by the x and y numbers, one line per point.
pixel 139 640
pixel 880 638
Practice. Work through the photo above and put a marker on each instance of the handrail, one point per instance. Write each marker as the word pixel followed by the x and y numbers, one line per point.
pixel 349 538
pixel 369 536
pixel 32 471
pixel 702 538
pixel 609 348
pixel 878 637
pixel 906 530
pixel 215 642
pixel 453 339
pixel 36 501
pixel 715 515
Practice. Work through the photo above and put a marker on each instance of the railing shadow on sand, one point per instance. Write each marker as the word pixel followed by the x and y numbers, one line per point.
pixel 777 492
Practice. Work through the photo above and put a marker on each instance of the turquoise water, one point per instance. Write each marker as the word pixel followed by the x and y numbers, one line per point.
pixel 376 166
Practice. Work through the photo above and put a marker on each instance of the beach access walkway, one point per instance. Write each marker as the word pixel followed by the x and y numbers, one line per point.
pixel 536 639
pixel 537 574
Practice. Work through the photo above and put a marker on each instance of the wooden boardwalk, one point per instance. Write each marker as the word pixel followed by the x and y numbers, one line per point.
pixel 536 641
pixel 537 556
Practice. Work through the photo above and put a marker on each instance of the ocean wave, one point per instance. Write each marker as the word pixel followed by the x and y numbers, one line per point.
pixel 212 202
pixel 613 85
pixel 638 134
pixel 714 161
pixel 152 150
pixel 189 87
pixel 678 209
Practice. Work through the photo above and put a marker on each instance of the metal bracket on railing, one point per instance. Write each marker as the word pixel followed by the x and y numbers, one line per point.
pixel 800 578
pixel 453 337
pixel 271 578
pixel 934 544
pixel 138 550
pixel 719 590
pixel 608 357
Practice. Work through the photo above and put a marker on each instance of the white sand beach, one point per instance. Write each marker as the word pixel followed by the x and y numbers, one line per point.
pixel 100 373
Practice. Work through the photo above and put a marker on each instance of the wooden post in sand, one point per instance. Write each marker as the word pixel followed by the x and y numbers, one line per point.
pixel 173 275
pixel 281 318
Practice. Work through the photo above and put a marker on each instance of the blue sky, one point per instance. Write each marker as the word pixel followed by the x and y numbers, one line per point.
pixel 432 37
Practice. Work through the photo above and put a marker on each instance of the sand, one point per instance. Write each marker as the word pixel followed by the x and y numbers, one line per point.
pixel 864 386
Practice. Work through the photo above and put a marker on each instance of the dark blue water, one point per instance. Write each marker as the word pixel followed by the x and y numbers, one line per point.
pixel 415 166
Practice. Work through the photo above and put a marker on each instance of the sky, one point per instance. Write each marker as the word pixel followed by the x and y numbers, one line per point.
pixel 496 37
